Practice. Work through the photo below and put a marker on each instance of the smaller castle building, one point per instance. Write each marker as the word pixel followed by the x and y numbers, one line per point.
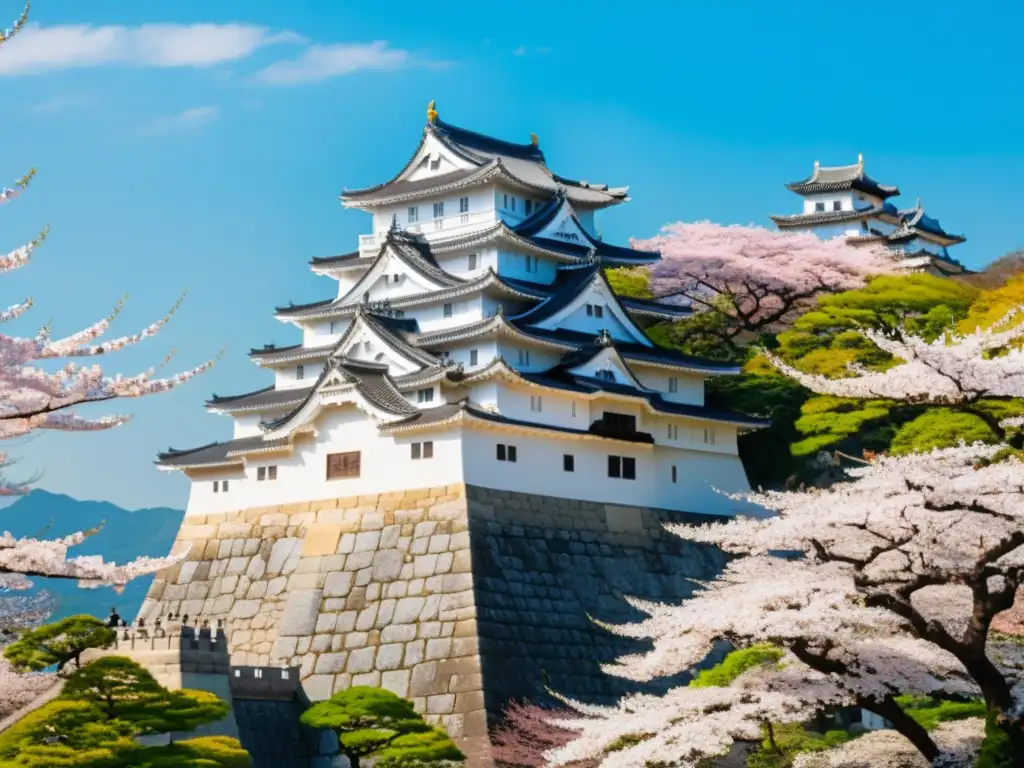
pixel 843 201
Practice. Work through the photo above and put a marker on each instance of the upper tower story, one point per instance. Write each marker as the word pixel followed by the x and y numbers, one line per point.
pixel 459 180
pixel 843 201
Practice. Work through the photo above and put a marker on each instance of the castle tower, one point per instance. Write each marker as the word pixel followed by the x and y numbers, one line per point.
pixel 843 201
pixel 472 450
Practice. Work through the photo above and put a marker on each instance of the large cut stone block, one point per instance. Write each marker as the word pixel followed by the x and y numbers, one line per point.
pixel 321 539
pixel 301 609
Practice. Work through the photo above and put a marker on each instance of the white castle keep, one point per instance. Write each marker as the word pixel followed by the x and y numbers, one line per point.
pixel 473 338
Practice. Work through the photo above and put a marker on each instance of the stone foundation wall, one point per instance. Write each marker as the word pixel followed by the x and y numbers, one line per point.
pixel 456 597
pixel 369 590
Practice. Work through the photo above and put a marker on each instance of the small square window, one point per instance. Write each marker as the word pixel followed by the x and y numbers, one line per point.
pixel 447 310
pixel 837 205
pixel 438 210
pixel 416 450
pixel 629 468
pixel 341 465
pixel 300 372
pixel 524 357
pixel 425 395
pixel 272 473
pixel 569 462
pixel 284 674
pixel 414 214
pixel 473 356
pixel 428 450
pixel 673 384
pixel 614 466
pixel 261 473
pixel 258 674
pixel 598 310
pixel 819 207
pixel 674 473
pixel 472 261
pixel 396 278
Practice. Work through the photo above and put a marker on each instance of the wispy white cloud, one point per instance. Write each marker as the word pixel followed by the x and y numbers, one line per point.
pixel 46 49
pixel 520 51
pixel 187 121
pixel 61 103
pixel 321 62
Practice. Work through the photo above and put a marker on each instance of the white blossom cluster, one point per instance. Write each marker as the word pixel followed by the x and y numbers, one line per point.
pixel 959 740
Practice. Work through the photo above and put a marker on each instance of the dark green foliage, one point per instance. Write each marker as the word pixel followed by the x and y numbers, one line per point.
pixel 125 691
pixel 784 742
pixel 58 643
pixel 373 722
pixel 1000 749
pixel 629 283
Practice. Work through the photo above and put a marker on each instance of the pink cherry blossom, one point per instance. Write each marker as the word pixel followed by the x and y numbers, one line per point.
pixel 758 279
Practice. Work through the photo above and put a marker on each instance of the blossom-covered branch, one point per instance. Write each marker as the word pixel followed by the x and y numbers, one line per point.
pixel 753 278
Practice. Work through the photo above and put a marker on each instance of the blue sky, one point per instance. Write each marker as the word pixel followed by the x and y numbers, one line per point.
pixel 174 156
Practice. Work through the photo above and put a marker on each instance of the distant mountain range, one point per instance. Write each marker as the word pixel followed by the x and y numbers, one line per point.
pixel 125 535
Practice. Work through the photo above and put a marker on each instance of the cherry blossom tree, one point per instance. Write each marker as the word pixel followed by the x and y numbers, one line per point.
pixel 34 397
pixel 891 584
pixel 750 280
pixel 527 733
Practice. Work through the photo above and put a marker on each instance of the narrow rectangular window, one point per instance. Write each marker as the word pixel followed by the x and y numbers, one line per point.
pixel 261 473
pixel 272 472
pixel 574 409
pixel 590 310
pixel 524 357
pixel 300 372
pixel 414 214
pixel 673 384
pixel 511 453
pixel 472 261
pixel 819 207
pixel 598 310
pixel 529 206
pixel 463 205
pixel 473 356
pixel 341 465
pixel 425 395
pixel 674 473
pixel 535 403
pixel 438 210
pixel 629 468
pixel 837 206
pixel 447 310
pixel 614 466
pixel 569 462
pixel 513 204
pixel 428 450
pixel 504 203
pixel 396 277
pixel 216 486
pixel 416 450
pixel 709 436
pixel 224 486
pixel 502 456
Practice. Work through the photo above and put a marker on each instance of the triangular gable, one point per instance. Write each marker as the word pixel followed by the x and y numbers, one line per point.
pixel 368 341
pixel 433 158
pixel 378 282
pixel 564 227
pixel 574 315
pixel 608 365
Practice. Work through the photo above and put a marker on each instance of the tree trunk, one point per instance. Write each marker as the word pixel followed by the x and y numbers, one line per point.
pixel 907 726
pixel 353 757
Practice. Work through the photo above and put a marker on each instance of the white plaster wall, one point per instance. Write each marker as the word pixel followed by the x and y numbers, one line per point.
pixel 457 262
pixel 828 198
pixel 538 469
pixel 481 210
pixel 322 332
pixel 690 386
pixel 513 264
pixel 486 351
pixel 464 311
pixel 301 476
pixel 248 424
pixel 286 377
pixel 540 359
pixel 555 408
pixel 579 320
pixel 587 219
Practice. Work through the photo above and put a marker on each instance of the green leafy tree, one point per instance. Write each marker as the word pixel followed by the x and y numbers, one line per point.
pixel 373 722
pixel 629 283
pixel 58 643
pixel 102 708
pixel 125 691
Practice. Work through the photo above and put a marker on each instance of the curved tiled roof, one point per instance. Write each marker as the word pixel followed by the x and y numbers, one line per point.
pixel 826 217
pixel 213 454
pixel 268 397
pixel 841 178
